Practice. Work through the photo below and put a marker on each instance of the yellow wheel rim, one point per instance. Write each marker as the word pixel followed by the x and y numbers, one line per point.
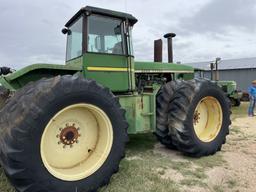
pixel 76 142
pixel 208 119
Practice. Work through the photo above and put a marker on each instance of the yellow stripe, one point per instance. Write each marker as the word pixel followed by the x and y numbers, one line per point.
pixel 161 71
pixel 107 69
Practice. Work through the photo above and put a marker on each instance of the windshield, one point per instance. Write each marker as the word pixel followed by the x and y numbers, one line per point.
pixel 105 35
pixel 74 40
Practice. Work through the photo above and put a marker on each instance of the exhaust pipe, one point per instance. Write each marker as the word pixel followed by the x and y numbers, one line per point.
pixel 217 75
pixel 158 50
pixel 212 68
pixel 169 37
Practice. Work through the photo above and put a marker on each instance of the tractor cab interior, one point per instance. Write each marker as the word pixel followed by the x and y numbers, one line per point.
pixel 106 35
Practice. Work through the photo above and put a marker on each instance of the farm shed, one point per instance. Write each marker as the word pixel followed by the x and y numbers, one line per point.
pixel 243 71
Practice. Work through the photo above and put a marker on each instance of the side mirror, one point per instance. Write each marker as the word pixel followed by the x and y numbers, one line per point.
pixel 97 42
pixel 66 31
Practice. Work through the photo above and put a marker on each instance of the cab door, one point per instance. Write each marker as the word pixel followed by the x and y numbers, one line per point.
pixel 106 59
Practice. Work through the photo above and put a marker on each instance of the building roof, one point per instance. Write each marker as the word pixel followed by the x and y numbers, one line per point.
pixel 244 63
pixel 106 12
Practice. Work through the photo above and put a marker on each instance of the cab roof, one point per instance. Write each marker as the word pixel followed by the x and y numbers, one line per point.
pixel 105 12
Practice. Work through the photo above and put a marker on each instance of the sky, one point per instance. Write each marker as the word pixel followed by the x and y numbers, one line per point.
pixel 30 30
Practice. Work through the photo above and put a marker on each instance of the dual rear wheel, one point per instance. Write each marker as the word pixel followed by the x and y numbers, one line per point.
pixel 195 117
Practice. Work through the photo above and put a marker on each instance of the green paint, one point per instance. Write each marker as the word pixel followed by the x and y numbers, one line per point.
pixel 140 110
pixel 162 67
pixel 116 80
pixel 35 72
pixel 230 88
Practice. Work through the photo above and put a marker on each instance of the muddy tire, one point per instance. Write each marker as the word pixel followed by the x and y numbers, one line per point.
pixel 163 99
pixel 64 134
pixel 4 95
pixel 199 118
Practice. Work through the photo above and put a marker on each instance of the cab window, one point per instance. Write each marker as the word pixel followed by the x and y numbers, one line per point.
pixel 105 35
pixel 74 40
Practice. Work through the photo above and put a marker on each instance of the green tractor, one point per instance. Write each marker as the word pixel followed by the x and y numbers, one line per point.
pixel 64 127
pixel 229 87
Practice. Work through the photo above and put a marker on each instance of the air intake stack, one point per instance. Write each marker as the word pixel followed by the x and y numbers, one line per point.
pixel 158 50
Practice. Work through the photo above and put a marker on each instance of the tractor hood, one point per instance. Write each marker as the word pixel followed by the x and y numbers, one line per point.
pixel 155 67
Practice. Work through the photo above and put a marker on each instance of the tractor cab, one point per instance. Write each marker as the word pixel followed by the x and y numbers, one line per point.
pixel 100 41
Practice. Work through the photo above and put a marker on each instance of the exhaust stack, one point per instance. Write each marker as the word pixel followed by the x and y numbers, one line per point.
pixel 169 37
pixel 158 50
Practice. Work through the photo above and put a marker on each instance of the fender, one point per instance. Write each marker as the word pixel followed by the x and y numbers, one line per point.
pixel 20 78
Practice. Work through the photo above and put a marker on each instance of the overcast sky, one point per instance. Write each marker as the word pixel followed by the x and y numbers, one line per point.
pixel 30 30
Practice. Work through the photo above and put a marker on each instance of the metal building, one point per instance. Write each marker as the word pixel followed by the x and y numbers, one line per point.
pixel 243 71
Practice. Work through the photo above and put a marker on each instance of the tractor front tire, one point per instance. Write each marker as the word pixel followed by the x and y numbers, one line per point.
pixel 63 134
pixel 199 118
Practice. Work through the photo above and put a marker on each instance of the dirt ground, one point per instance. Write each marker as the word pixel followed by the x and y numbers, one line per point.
pixel 237 172
pixel 150 167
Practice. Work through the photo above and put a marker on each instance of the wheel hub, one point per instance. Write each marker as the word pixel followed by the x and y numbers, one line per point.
pixel 76 142
pixel 207 119
pixel 196 117
pixel 69 135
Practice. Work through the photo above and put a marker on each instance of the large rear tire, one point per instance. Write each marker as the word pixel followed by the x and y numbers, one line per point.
pixel 199 118
pixel 163 98
pixel 64 134
pixel 4 95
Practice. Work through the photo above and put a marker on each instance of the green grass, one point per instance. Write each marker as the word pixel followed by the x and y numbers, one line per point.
pixel 4 184
pixel 236 130
pixel 218 188
pixel 209 161
pixel 232 183
pixel 193 182
pixel 142 173
pixel 240 111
